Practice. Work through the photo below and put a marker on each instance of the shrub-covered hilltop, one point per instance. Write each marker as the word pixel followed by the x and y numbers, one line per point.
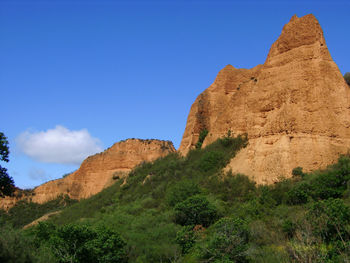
pixel 185 209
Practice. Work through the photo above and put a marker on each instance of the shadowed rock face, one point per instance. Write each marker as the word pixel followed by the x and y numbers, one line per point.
pixel 295 107
pixel 97 171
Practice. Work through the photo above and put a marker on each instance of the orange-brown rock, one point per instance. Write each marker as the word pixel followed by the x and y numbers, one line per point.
pixel 295 107
pixel 100 170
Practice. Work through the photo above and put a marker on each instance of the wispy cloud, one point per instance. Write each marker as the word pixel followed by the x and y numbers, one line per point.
pixel 59 145
pixel 38 174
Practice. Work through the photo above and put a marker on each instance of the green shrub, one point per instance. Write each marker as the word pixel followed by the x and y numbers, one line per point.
pixel 201 138
pixel 181 191
pixel 299 194
pixel 298 171
pixel 195 210
pixel 266 197
pixel 228 242
pixel 232 187
pixel 186 238
pixel 278 191
pixel 81 244
pixel 347 77
pixel 269 254
pixel 328 185
pixel 289 228
pixel 330 219
pixel 15 247
pixel 211 160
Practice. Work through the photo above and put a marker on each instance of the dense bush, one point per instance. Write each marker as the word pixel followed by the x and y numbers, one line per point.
pixel 195 210
pixel 299 194
pixel 211 160
pixel 14 247
pixel 232 187
pixel 181 191
pixel 228 242
pixel 186 238
pixel 79 243
pixel 330 219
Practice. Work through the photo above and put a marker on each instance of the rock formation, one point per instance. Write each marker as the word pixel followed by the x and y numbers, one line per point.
pixel 295 107
pixel 99 171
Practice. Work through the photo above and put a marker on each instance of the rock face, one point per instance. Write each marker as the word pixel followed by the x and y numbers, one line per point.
pixel 295 107
pixel 100 170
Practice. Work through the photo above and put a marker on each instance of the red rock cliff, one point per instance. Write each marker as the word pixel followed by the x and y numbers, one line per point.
pixel 295 107
pixel 97 171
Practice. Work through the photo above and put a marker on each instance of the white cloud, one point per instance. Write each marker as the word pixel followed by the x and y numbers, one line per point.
pixel 58 145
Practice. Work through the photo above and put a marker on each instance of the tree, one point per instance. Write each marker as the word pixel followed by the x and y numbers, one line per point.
pixel 181 191
pixel 330 219
pixel 195 210
pixel 7 185
pixel 81 244
pixel 347 77
pixel 227 241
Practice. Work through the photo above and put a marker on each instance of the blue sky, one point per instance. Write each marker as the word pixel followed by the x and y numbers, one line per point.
pixel 78 76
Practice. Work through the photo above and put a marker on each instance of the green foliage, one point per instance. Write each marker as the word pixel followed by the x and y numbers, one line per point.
pixel 186 238
pixel 210 160
pixel 228 242
pixel 232 188
pixel 181 191
pixel 201 138
pixel 195 210
pixel 294 220
pixel 289 227
pixel 4 148
pixel 270 254
pixel 320 185
pixel 298 171
pixel 299 194
pixel 332 183
pixel 7 185
pixel 79 243
pixel 25 212
pixel 14 247
pixel 330 219
pixel 347 77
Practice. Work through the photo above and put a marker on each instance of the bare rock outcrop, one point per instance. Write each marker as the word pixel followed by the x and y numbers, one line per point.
pixel 295 107
pixel 98 171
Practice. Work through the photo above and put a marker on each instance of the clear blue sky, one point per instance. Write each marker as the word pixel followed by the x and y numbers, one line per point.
pixel 124 69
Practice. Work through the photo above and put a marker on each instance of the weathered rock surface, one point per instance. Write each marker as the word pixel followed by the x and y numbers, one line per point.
pixel 97 171
pixel 295 107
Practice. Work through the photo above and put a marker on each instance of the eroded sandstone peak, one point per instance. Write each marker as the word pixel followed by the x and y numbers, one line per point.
pixel 295 107
pixel 297 33
pixel 99 171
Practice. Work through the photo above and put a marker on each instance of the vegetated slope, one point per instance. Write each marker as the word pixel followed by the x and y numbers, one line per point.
pixel 184 209
pixel 100 170
pixel 295 107
pixel 25 212
pixel 142 209
pixel 97 172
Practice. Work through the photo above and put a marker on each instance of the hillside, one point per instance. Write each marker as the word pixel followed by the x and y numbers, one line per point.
pixel 180 209
pixel 96 172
